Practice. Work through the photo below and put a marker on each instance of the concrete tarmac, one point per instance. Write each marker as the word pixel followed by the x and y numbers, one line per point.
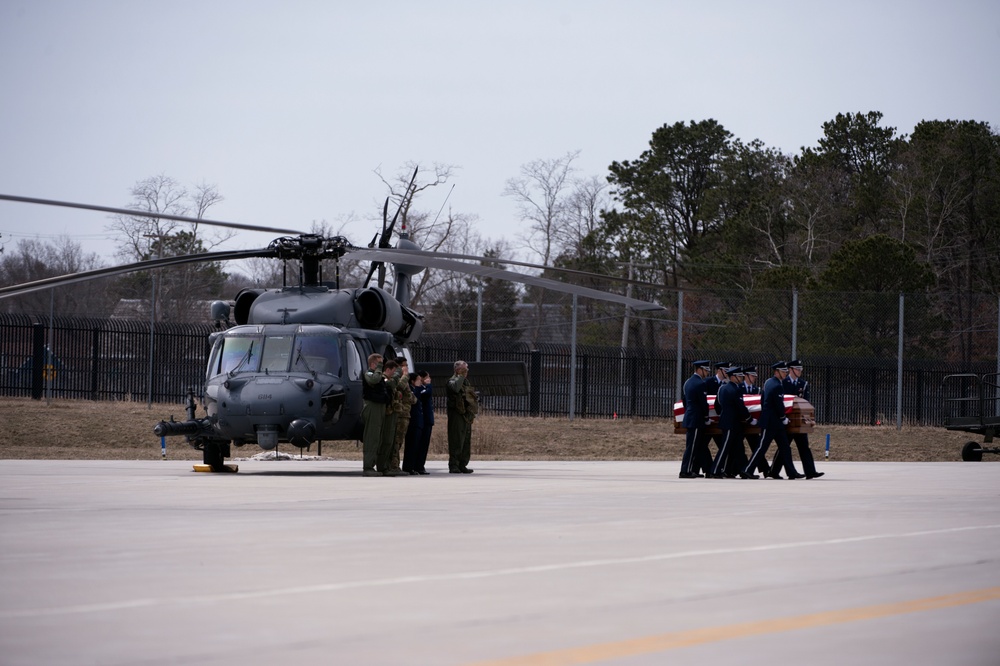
pixel 519 563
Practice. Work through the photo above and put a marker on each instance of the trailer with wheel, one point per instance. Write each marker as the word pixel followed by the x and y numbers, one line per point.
pixel 972 404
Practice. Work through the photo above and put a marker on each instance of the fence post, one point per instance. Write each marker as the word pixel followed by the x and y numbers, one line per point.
pixel 95 355
pixel 535 390
pixel 795 322
pixel 37 360
pixel 899 369
pixel 572 364
pixel 680 343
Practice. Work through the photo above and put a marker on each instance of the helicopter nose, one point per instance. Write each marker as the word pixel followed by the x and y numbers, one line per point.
pixel 301 432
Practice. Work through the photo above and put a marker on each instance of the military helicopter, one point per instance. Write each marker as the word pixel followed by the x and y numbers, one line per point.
pixel 289 365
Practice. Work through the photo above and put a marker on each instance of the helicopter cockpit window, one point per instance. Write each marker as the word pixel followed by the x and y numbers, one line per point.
pixel 314 353
pixel 355 368
pixel 276 354
pixel 239 354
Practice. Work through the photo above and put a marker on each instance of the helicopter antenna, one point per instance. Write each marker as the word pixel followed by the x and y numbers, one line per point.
pixel 443 203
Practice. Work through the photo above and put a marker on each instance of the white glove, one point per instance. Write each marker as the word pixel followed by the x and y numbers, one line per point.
pixel 753 422
pixel 785 421
pixel 708 421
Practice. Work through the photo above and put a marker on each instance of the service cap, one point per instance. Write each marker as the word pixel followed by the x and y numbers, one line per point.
pixel 706 364
pixel 797 364
pixel 780 365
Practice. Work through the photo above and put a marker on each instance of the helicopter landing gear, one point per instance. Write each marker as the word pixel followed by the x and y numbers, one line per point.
pixel 213 455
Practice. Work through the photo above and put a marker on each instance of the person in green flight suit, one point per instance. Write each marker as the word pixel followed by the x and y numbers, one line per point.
pixel 463 405
pixel 373 414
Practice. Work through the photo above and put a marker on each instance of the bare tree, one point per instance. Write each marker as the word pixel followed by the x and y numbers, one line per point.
pixel 541 200
pixel 144 237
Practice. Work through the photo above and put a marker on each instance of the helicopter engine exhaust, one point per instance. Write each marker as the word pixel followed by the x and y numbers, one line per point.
pixel 375 308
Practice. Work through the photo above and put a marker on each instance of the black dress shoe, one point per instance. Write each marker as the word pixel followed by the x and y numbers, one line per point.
pixel 774 476
pixel 744 475
pixel 454 471
pixel 792 477
pixel 688 475
pixel 422 472
pixel 466 470
pixel 815 475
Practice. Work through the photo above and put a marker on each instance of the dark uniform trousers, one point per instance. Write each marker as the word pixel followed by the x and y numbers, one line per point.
pixel 373 414
pixel 731 457
pixel 783 458
pixel 696 454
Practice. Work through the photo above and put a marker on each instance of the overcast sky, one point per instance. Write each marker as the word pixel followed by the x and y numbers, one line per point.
pixel 288 106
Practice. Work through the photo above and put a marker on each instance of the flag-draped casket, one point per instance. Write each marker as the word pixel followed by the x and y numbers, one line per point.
pixel 801 414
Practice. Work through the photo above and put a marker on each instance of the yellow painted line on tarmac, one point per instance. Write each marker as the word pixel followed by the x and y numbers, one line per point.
pixel 662 642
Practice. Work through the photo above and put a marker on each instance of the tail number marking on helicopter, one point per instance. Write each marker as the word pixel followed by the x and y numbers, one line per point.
pixel 263 396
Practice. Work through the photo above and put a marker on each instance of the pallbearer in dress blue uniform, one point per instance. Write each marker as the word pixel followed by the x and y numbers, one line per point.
pixel 795 385
pixel 712 386
pixel 696 420
pixel 772 426
pixel 733 416
pixel 751 387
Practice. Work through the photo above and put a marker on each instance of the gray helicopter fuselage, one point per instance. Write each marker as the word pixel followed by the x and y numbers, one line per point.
pixel 298 383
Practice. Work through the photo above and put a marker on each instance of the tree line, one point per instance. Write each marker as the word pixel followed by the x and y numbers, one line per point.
pixel 867 210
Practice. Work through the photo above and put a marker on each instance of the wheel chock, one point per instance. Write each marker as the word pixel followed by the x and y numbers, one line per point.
pixel 208 468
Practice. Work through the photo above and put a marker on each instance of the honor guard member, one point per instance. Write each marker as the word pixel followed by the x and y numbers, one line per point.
pixel 696 455
pixel 373 413
pixel 712 386
pixel 415 431
pixel 795 385
pixel 388 443
pixel 750 387
pixel 463 405
pixel 715 382
pixel 772 426
pixel 402 409
pixel 427 402
pixel 733 416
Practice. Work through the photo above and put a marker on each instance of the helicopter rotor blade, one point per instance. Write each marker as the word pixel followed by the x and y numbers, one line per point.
pixel 409 255
pixel 145 213
pixel 430 260
pixel 83 276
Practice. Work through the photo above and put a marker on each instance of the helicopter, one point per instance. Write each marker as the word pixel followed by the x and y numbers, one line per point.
pixel 288 362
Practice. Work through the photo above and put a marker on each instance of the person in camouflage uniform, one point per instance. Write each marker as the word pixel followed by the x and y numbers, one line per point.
pixel 463 405
pixel 402 409
pixel 387 444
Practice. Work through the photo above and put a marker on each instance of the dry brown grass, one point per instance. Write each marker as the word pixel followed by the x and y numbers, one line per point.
pixel 81 429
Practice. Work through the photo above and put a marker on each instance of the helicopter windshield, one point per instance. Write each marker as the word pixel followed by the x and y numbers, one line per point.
pixel 276 353
pixel 239 355
pixel 316 353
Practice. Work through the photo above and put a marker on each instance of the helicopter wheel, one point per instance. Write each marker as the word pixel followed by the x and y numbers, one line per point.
pixel 972 452
pixel 214 455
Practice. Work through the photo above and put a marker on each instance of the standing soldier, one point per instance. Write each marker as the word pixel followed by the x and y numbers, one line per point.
pixel 772 427
pixel 750 387
pixel 427 403
pixel 463 405
pixel 696 455
pixel 373 413
pixel 402 409
pixel 388 443
pixel 415 432
pixel 795 385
